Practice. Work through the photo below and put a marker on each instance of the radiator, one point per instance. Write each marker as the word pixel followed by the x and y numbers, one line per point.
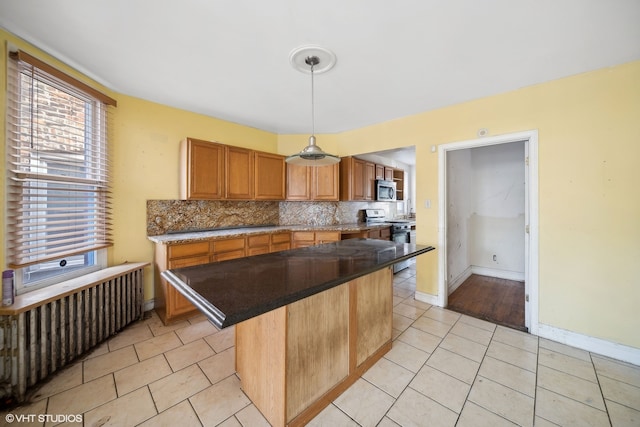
pixel 40 338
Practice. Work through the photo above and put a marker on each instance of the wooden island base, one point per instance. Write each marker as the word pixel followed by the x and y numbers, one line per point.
pixel 295 360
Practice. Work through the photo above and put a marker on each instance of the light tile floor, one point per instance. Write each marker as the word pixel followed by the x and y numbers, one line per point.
pixel 444 369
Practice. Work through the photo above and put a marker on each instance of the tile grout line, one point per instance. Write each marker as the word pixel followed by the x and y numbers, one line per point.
pixel 412 378
pixel 535 388
pixel 604 400
pixel 492 380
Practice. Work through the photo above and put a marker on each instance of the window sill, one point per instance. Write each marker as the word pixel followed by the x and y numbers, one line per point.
pixel 29 300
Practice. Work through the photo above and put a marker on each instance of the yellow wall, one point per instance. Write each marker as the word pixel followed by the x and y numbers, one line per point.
pixel 144 158
pixel 145 166
pixel 589 190
pixel 589 147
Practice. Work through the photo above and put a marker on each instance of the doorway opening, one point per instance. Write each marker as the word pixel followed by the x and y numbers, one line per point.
pixel 488 198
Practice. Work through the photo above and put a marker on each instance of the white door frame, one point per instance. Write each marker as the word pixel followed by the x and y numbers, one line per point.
pixel 531 217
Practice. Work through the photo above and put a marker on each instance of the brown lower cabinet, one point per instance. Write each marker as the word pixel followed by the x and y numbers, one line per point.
pixel 293 361
pixel 301 239
pixel 377 233
pixel 169 303
pixel 380 233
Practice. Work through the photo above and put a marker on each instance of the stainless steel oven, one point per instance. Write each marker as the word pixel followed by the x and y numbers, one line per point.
pixel 400 233
pixel 400 230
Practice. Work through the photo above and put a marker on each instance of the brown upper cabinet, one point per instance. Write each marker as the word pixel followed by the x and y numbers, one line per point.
pixel 380 172
pixel 357 179
pixel 388 173
pixel 215 171
pixel 269 176
pixel 384 172
pixel 239 176
pixel 202 172
pixel 313 182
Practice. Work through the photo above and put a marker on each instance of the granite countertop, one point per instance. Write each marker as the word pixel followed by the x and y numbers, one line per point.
pixel 229 292
pixel 192 236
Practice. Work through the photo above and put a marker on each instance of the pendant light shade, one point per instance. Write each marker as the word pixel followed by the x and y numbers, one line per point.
pixel 308 59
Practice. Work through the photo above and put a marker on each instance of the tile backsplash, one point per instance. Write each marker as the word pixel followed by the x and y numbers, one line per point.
pixel 165 216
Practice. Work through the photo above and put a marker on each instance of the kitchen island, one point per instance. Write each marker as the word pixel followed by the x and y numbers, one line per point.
pixel 309 322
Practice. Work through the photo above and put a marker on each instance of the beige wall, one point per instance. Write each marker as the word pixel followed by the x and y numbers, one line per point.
pixel 589 196
pixel 144 158
pixel 145 166
pixel 589 147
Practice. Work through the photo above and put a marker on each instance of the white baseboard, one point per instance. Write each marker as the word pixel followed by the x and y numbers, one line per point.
pixel 428 298
pixel 500 274
pixel 591 344
pixel 149 305
pixel 455 283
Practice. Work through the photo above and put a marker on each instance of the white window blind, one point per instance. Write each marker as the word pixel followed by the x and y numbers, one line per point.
pixel 58 170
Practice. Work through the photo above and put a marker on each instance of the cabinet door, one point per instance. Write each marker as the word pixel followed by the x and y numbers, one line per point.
pixel 239 176
pixel 374 234
pixel 176 303
pixel 203 172
pixel 369 180
pixel 298 182
pixel 380 172
pixel 385 233
pixel 269 176
pixel 326 181
pixel 357 175
pixel 388 173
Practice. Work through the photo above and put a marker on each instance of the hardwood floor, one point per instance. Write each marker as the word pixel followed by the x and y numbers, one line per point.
pixel 497 300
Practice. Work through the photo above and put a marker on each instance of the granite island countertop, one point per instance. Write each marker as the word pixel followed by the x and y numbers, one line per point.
pixel 223 233
pixel 229 292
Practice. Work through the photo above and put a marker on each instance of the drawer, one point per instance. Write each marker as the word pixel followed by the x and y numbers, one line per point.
pixel 301 244
pixel 224 256
pixel 188 262
pixel 276 247
pixel 228 245
pixel 258 240
pixel 327 236
pixel 304 235
pixel 258 250
pixel 280 238
pixel 188 249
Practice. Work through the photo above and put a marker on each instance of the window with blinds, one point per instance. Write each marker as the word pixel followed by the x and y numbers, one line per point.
pixel 57 205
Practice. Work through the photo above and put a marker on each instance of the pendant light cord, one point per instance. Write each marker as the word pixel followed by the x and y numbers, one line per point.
pixel 313 120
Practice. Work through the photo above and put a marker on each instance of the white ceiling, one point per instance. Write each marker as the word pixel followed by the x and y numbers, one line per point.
pixel 229 59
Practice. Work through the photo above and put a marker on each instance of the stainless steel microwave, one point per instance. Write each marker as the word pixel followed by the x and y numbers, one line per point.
pixel 385 190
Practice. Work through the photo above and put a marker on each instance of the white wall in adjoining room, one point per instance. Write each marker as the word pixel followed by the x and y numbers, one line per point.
pixel 497 222
pixel 486 212
pixel 459 189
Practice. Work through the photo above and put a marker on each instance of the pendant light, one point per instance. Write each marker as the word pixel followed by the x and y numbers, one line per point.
pixel 308 59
